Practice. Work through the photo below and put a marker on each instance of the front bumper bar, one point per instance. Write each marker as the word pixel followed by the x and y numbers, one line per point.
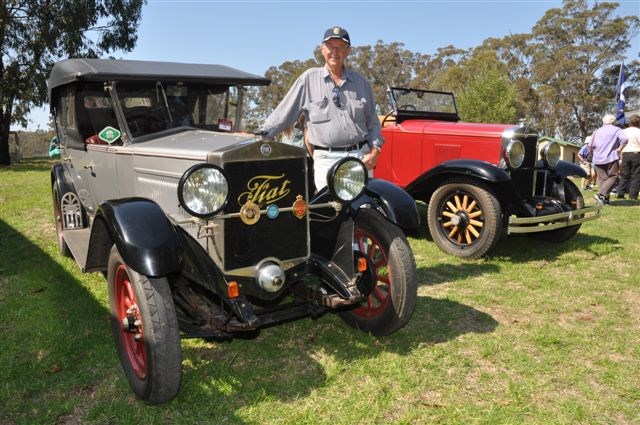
pixel 552 221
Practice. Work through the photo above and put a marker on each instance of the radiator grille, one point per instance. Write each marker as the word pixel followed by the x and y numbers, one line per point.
pixel 265 182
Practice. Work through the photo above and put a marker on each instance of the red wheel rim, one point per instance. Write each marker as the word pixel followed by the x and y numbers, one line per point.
pixel 380 297
pixel 126 307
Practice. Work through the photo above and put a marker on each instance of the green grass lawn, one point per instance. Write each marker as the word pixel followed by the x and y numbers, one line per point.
pixel 538 333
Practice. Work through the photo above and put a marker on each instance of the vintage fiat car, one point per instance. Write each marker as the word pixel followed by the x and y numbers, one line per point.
pixel 202 230
pixel 478 180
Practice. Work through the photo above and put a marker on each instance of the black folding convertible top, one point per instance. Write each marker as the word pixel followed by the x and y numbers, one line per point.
pixel 70 70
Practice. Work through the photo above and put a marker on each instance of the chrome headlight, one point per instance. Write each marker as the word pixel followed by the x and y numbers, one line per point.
pixel 513 153
pixel 347 179
pixel 551 154
pixel 203 190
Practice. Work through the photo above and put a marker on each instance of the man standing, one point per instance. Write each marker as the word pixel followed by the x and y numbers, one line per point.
pixel 586 165
pixel 630 171
pixel 338 106
pixel 606 140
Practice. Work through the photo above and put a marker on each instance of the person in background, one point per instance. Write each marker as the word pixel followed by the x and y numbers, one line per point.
pixel 338 106
pixel 606 141
pixel 586 165
pixel 630 169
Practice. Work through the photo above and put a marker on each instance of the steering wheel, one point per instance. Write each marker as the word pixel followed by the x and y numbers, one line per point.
pixel 386 117
pixel 407 108
pixel 144 120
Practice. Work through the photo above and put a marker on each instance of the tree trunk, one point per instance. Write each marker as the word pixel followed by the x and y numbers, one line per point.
pixel 5 122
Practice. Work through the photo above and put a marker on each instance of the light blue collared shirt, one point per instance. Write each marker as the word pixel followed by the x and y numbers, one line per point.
pixel 328 125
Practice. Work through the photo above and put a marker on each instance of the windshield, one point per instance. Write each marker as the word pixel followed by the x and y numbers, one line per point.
pixel 423 101
pixel 150 107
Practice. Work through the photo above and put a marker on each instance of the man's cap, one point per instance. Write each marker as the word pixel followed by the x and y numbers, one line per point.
pixel 337 32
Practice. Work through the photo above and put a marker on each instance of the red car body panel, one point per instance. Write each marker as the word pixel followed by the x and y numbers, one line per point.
pixel 415 146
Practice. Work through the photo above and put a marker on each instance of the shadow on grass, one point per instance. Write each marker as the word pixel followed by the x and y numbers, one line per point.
pixel 443 273
pixel 516 248
pixel 296 359
pixel 58 350
pixel 522 248
pixel 55 334
pixel 623 203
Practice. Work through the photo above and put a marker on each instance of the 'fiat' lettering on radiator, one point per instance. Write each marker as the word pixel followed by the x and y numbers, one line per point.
pixel 265 189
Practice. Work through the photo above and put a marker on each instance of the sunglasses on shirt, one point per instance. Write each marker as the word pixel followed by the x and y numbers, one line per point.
pixel 336 97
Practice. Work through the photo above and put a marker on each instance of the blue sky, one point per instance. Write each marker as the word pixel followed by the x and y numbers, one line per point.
pixel 254 35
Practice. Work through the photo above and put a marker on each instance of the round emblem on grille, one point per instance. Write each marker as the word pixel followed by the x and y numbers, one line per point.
pixel 249 213
pixel 299 207
pixel 273 211
pixel 265 149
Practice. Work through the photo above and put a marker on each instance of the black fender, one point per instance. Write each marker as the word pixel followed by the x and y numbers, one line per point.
pixel 422 187
pixel 565 169
pixel 462 167
pixel 144 236
pixel 394 202
pixel 61 180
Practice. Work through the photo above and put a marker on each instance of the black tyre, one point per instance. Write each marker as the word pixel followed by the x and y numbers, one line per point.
pixel 573 197
pixel 63 248
pixel 146 331
pixel 393 299
pixel 465 218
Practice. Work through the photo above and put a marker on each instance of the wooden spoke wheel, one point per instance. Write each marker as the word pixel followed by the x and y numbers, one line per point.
pixel 464 218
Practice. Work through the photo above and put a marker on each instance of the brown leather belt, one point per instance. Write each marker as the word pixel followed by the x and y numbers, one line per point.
pixel 341 148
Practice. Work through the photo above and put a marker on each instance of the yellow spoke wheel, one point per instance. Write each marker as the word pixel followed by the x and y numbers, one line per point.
pixel 465 218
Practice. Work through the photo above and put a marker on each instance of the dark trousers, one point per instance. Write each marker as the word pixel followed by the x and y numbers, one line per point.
pixel 630 174
pixel 606 174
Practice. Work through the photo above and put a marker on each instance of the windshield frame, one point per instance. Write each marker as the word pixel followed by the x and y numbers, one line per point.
pixel 419 104
pixel 229 103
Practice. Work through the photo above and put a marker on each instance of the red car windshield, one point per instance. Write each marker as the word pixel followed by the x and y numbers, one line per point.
pixel 423 103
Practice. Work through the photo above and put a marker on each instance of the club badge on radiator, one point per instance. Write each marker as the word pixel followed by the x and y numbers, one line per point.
pixel 249 213
pixel 299 207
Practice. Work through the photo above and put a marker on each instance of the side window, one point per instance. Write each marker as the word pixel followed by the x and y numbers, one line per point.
pixel 216 110
pixel 95 113
pixel 65 116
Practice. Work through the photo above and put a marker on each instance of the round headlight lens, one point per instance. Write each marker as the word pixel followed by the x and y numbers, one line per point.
pixel 514 154
pixel 347 179
pixel 203 190
pixel 551 154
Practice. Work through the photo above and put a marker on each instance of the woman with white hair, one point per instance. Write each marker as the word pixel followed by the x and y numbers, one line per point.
pixel 606 141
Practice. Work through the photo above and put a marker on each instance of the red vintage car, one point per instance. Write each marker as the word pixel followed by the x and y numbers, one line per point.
pixel 478 180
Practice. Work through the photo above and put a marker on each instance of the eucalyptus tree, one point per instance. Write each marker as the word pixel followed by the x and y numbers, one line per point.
pixel 264 99
pixel 570 48
pixel 383 65
pixel 432 71
pixel 34 34
pixel 486 93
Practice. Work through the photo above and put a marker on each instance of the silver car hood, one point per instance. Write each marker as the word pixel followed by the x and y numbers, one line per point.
pixel 192 145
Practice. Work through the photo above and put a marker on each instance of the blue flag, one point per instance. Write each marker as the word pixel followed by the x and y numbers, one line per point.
pixel 620 88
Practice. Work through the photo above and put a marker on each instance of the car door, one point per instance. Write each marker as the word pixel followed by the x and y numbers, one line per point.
pixel 102 137
pixel 74 154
